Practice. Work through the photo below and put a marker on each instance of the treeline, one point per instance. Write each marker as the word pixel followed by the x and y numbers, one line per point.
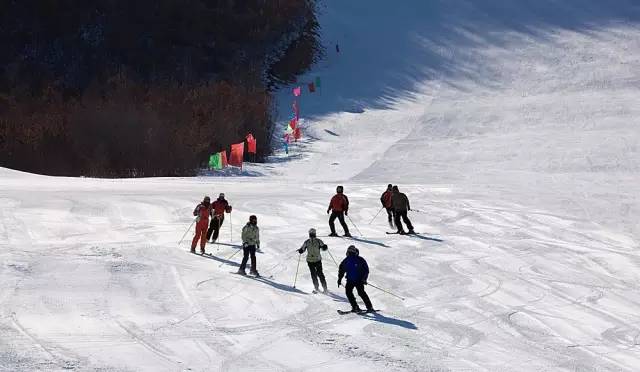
pixel 116 88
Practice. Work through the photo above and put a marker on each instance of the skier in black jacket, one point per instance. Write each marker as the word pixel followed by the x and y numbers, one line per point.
pixel 401 207
pixel 357 271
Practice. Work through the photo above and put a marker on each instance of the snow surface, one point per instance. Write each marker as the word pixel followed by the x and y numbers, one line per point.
pixel 513 128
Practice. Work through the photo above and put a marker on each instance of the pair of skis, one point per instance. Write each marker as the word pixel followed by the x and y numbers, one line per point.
pixel 361 312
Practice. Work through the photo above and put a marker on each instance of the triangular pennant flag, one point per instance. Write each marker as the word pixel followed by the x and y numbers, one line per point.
pixel 297 91
pixel 251 144
pixel 237 154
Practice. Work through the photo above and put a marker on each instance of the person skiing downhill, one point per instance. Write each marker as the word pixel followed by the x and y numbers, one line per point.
pixel 219 207
pixel 313 246
pixel 385 199
pixel 250 242
pixel 338 207
pixel 401 207
pixel 357 271
pixel 201 212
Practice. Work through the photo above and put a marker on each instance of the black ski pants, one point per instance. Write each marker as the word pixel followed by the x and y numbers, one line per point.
pixel 316 272
pixel 340 217
pixel 391 214
pixel 249 250
pixel 214 227
pixel 403 214
pixel 361 292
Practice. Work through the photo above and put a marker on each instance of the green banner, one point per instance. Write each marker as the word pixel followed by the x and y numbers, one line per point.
pixel 215 162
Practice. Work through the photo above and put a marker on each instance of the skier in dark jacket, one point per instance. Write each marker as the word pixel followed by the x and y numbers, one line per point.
pixel 313 246
pixel 219 207
pixel 357 271
pixel 385 199
pixel 339 207
pixel 401 207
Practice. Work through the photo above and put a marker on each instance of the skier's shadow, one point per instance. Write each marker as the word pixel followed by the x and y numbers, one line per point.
pixel 221 260
pixel 276 285
pixel 378 317
pixel 366 241
pixel 428 238
pixel 229 245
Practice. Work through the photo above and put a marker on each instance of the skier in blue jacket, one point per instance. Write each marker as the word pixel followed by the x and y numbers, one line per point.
pixel 357 272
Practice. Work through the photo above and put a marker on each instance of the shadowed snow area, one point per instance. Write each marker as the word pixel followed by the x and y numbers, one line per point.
pixel 511 125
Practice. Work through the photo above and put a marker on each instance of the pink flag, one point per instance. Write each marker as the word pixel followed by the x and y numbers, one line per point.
pixel 293 123
pixel 297 91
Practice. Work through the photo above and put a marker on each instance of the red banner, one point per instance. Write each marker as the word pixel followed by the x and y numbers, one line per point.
pixel 293 123
pixel 237 154
pixel 297 133
pixel 251 144
pixel 223 157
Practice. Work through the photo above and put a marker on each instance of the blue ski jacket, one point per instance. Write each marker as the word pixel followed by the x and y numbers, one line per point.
pixel 356 269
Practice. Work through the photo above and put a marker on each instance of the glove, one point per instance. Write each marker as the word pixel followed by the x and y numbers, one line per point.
pixel 198 219
pixel 229 209
pixel 245 245
pixel 346 213
pixel 339 282
pixel 300 251
pixel 324 247
pixel 328 210
pixel 364 282
pixel 257 246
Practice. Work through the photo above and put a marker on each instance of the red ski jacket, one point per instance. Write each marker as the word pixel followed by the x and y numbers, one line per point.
pixel 203 212
pixel 220 206
pixel 385 199
pixel 339 203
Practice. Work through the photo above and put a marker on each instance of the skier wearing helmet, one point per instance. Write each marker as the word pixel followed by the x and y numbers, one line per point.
pixel 202 212
pixel 250 242
pixel 339 207
pixel 357 271
pixel 313 246
pixel 219 207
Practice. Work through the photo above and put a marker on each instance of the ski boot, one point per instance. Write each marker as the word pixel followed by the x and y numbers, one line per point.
pixel 411 232
pixel 333 234
pixel 254 273
pixel 402 232
pixel 356 310
pixel 241 272
pixel 347 235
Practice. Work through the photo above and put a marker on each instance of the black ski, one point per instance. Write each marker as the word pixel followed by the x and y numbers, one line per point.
pixel 361 312
pixel 251 276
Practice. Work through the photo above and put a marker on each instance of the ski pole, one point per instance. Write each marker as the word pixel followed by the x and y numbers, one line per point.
pixel 231 227
pixel 295 280
pixel 230 257
pixel 185 233
pixel 385 291
pixel 334 260
pixel 354 225
pixel 280 262
pixel 374 217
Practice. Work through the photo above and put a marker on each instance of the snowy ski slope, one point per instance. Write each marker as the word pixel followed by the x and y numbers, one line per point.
pixel 512 126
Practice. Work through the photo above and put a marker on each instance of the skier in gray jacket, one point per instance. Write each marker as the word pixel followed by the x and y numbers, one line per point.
pixel 313 246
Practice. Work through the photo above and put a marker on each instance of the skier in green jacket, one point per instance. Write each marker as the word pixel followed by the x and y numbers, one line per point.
pixel 250 242
pixel 313 246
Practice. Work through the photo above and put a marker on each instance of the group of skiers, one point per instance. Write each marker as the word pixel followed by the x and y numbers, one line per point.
pixel 354 267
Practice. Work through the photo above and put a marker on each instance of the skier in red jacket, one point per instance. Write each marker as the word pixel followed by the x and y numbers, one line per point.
pixel 339 207
pixel 385 199
pixel 219 207
pixel 202 212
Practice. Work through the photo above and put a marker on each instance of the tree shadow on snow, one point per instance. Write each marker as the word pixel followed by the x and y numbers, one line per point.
pixel 378 317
